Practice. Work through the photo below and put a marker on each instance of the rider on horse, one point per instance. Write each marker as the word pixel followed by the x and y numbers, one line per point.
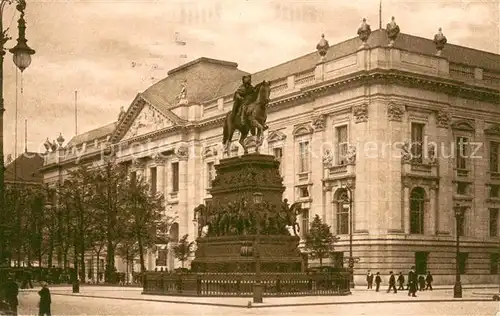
pixel 244 91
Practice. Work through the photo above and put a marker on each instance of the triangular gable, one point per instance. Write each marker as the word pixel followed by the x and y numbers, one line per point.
pixel 493 130
pixel 463 125
pixel 141 118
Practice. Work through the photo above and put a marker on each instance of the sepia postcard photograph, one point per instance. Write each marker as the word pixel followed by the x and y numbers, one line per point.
pixel 250 157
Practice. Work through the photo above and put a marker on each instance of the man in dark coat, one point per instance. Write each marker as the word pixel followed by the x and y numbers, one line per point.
pixel 401 281
pixel 369 279
pixel 11 291
pixel 428 280
pixel 44 305
pixel 378 280
pixel 392 283
pixel 412 282
pixel 245 90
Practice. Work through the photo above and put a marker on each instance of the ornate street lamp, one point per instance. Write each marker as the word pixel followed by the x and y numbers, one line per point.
pixel 22 52
pixel 257 288
pixel 22 58
pixel 347 200
pixel 459 216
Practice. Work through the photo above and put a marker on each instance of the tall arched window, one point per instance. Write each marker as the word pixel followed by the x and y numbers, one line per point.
pixel 343 212
pixel 417 207
pixel 174 232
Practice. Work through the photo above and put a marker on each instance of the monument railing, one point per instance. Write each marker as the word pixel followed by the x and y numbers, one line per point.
pixel 241 284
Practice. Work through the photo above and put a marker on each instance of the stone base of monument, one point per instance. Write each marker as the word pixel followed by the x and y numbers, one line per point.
pixel 227 254
pixel 247 197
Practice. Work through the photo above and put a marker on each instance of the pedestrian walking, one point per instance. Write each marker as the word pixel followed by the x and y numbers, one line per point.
pixel 412 282
pixel 11 291
pixel 392 283
pixel 45 301
pixel 428 280
pixel 369 279
pixel 421 283
pixel 378 280
pixel 401 281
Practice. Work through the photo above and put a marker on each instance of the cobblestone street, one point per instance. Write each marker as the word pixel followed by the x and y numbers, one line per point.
pixel 129 301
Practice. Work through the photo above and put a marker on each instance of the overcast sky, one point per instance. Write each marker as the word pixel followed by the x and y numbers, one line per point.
pixel 111 50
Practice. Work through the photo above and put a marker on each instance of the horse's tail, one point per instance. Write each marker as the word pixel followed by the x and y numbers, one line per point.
pixel 225 131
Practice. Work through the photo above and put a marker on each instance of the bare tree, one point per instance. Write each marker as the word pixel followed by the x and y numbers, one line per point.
pixel 146 219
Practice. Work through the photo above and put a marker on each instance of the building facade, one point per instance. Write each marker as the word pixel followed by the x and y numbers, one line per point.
pixel 407 134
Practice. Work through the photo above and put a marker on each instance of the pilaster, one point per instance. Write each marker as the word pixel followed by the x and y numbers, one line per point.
pixel 318 205
pixel 406 208
pixel 182 154
pixel 444 138
pixel 433 214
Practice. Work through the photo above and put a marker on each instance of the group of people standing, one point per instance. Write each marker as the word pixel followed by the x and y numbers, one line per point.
pixel 9 299
pixel 415 283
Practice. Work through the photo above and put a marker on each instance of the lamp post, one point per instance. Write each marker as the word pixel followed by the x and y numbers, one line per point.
pixel 257 288
pixel 22 59
pixel 347 199
pixel 457 289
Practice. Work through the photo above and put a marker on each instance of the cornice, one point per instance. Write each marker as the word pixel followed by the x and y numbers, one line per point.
pixel 309 93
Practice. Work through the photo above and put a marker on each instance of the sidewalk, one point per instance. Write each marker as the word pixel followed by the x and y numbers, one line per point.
pixel 357 297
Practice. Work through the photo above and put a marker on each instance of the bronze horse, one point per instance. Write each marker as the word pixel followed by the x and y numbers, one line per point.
pixel 255 118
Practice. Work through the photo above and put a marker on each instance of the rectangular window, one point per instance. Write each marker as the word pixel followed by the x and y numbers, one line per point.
pixel 421 262
pixel 153 179
pixel 133 177
pixel 462 262
pixel 342 144
pixel 493 222
pixel 278 155
pixel 494 263
pixel 494 191
pixel 303 192
pixel 462 188
pixel 494 153
pixel 304 156
pixel 175 177
pixel 417 139
pixel 461 226
pixel 343 219
pixel 162 257
pixel 461 152
pixel 305 222
pixel 210 173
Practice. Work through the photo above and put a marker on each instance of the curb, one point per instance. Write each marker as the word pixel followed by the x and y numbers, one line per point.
pixel 442 289
pixel 250 305
pixel 150 300
pixel 373 302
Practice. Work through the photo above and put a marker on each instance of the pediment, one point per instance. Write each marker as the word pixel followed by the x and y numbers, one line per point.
pixel 148 120
pixel 493 130
pixel 302 129
pixel 463 125
pixel 276 136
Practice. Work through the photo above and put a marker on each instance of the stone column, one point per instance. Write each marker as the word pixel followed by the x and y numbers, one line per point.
pixel 327 206
pixel 319 123
pixel 406 207
pixel 160 175
pixel 433 213
pixel 195 167
pixel 446 220
pixel 184 220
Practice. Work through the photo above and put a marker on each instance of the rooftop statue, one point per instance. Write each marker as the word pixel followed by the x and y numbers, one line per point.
pixel 364 32
pixel 392 30
pixel 440 40
pixel 322 47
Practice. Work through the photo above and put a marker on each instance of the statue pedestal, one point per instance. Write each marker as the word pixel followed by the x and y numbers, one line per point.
pixel 231 241
pixel 224 254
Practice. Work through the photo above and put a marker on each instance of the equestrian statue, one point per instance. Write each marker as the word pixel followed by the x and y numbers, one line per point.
pixel 249 113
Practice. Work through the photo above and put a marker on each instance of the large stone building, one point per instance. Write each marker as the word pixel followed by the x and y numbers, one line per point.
pixel 353 121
